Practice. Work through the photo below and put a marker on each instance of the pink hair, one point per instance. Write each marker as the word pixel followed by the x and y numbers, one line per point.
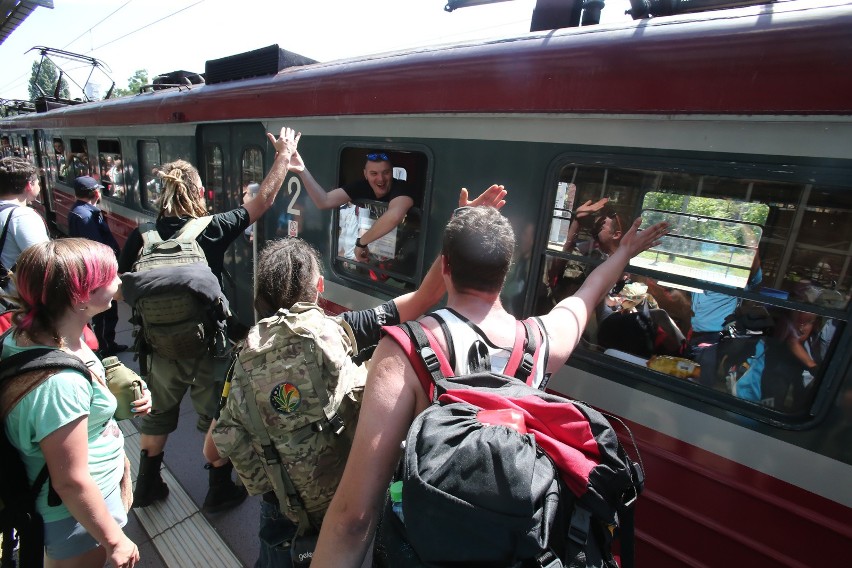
pixel 51 277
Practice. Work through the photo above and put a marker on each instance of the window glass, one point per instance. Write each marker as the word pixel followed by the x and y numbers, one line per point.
pixel 152 185
pixel 251 174
pixel 743 297
pixel 80 160
pixel 213 178
pixel 60 159
pixel 394 257
pixel 113 171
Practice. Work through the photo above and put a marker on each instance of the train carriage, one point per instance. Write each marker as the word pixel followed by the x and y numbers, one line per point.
pixel 733 125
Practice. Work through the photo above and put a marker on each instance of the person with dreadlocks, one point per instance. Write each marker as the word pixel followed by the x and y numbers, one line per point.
pixel 182 200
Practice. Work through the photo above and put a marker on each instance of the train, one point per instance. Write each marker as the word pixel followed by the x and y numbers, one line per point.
pixel 734 125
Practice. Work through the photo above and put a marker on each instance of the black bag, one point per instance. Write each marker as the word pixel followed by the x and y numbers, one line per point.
pixel 489 476
pixel 5 274
pixel 302 549
pixel 21 524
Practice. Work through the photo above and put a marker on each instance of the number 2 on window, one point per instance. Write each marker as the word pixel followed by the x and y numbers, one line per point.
pixel 294 188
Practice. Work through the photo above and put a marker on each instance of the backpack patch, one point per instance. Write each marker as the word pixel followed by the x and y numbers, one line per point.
pixel 175 324
pixel 498 473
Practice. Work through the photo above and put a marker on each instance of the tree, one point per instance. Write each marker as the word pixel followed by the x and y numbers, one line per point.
pixel 46 79
pixel 134 83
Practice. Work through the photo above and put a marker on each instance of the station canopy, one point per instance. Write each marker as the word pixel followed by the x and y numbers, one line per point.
pixel 14 12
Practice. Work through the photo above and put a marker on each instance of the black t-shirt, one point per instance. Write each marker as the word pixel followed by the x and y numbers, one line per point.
pixel 367 327
pixel 223 229
pixel 361 190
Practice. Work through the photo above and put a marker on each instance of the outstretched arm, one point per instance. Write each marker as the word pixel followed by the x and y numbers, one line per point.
pixel 567 320
pixel 321 198
pixel 285 146
pixel 390 219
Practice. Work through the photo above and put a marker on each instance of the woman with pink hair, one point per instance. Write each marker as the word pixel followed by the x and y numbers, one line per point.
pixel 66 422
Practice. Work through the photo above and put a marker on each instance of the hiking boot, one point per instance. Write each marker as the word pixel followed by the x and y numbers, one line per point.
pixel 203 423
pixel 150 487
pixel 223 494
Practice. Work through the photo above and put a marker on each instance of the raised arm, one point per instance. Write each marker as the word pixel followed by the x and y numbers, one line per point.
pixel 321 198
pixel 390 219
pixel 392 398
pixel 285 146
pixel 567 320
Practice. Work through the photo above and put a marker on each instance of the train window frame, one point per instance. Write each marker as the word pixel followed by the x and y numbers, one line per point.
pixel 61 159
pixel 149 180
pixel 411 161
pixel 214 180
pixel 758 169
pixel 80 161
pixel 109 151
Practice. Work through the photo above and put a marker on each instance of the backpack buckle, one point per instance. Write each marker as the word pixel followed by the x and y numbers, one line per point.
pixel 335 423
pixel 430 359
pixel 579 529
pixel 548 559
pixel 270 455
pixel 526 365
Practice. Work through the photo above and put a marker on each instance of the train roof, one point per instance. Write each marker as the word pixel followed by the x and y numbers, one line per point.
pixel 783 58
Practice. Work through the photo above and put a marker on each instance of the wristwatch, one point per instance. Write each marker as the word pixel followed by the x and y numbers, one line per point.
pixel 359 244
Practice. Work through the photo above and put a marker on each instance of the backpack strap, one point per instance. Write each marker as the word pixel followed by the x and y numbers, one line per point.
pixel 20 374
pixel 522 360
pixel 192 229
pixel 6 224
pixel 281 481
pixel 309 350
pixel 427 359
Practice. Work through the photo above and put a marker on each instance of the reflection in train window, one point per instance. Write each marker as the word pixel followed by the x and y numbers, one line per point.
pixel 59 157
pixel 251 171
pixel 743 297
pixel 115 173
pixel 213 178
pixel 393 257
pixel 80 160
pixel 151 185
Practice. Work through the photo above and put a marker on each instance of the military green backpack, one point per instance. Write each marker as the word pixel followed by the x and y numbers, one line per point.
pixel 175 324
pixel 293 397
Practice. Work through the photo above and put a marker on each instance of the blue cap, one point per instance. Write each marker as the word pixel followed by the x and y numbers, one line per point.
pixel 86 183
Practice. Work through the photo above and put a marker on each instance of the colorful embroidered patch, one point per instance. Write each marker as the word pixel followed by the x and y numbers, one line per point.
pixel 285 398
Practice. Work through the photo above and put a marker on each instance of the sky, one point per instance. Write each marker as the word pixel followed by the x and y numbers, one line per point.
pixel 167 35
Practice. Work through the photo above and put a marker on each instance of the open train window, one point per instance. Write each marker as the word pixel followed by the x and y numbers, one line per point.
pixel 114 171
pixel 151 185
pixel 393 255
pixel 61 159
pixel 79 160
pixel 743 298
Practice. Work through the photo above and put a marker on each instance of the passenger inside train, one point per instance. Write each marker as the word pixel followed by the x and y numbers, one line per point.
pixel 375 231
pixel 713 321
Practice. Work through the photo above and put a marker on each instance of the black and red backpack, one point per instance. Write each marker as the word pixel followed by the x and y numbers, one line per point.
pixel 499 473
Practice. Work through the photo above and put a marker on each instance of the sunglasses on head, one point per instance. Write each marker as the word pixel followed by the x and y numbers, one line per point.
pixel 378 157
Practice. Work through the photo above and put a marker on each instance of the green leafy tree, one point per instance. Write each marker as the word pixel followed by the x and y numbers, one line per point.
pixel 46 79
pixel 134 83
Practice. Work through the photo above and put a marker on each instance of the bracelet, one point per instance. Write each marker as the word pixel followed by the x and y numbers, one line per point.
pixel 359 244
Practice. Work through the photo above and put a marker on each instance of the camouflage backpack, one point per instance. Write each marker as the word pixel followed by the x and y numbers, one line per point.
pixel 175 324
pixel 293 396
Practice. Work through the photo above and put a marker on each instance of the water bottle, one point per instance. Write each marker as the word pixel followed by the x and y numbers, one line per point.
pixel 396 499
pixel 124 384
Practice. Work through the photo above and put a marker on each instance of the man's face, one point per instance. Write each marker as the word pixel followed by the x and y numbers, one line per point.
pixel 33 189
pixel 379 175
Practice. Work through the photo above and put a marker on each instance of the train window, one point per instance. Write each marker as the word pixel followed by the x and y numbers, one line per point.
pixel 80 159
pixel 113 169
pixel 213 178
pixel 251 170
pixel 743 297
pixel 151 186
pixel 60 159
pixel 394 256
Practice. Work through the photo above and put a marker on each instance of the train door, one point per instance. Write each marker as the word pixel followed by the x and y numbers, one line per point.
pixel 232 157
pixel 41 155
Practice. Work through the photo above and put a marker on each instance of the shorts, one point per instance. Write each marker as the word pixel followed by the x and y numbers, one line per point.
pixel 67 538
pixel 168 381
